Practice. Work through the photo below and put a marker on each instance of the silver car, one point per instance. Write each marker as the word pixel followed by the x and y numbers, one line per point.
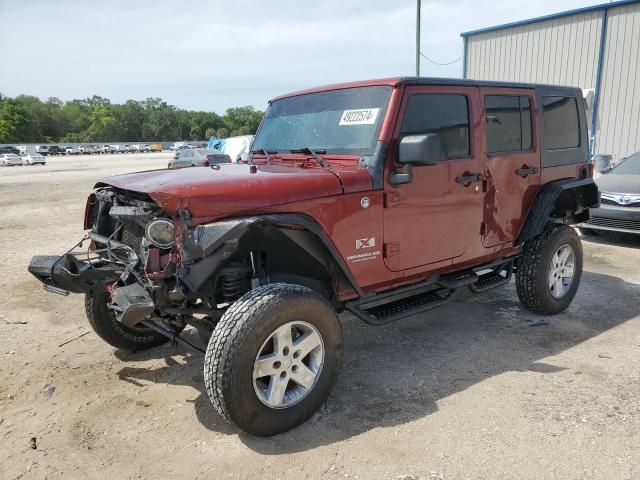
pixel 33 159
pixel 10 159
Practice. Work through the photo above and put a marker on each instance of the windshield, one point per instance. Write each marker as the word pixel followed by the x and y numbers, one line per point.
pixel 339 121
pixel 630 166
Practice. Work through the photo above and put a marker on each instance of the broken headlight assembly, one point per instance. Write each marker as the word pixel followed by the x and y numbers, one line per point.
pixel 161 232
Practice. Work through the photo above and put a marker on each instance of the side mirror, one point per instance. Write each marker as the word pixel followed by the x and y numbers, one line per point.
pixel 416 150
pixel 420 149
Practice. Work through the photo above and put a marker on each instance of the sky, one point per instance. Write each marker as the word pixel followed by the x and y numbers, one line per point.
pixel 212 55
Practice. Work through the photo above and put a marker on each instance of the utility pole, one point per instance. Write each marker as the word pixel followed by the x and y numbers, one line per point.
pixel 418 38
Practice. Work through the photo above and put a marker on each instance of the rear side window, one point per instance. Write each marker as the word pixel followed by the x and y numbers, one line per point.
pixel 561 126
pixel 508 120
pixel 447 115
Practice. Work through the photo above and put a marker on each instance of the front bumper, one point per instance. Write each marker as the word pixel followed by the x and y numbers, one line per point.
pixel 69 274
pixel 80 271
pixel 614 219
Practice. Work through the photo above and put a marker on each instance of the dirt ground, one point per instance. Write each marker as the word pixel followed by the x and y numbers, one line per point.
pixel 477 389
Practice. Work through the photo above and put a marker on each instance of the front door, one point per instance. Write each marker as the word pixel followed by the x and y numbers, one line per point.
pixel 512 162
pixel 437 216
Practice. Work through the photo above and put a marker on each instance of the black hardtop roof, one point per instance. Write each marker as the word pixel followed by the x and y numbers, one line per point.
pixel 481 83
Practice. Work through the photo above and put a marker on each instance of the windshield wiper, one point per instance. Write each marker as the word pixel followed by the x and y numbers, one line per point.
pixel 266 153
pixel 315 153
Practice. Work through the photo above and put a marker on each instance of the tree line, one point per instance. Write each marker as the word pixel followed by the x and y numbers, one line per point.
pixel 27 119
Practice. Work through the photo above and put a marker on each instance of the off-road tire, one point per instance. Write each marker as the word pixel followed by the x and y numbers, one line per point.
pixel 104 323
pixel 234 345
pixel 532 272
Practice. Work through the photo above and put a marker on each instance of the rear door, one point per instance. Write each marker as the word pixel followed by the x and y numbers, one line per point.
pixel 437 216
pixel 512 161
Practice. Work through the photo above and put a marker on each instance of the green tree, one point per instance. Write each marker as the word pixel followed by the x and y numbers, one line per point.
pixel 242 120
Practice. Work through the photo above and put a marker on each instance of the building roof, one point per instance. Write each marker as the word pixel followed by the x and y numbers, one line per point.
pixel 553 16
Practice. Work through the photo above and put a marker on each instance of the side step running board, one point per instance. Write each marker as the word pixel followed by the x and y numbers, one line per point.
pixel 386 307
pixel 375 312
pixel 497 277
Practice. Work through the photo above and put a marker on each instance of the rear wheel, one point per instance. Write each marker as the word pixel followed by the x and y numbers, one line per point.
pixel 273 358
pixel 549 270
pixel 104 323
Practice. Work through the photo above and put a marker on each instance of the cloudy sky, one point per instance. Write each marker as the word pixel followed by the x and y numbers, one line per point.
pixel 211 55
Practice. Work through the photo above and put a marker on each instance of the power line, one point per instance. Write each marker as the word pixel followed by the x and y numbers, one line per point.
pixel 438 63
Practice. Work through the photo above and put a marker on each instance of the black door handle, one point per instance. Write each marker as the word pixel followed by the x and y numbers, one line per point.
pixel 524 171
pixel 468 178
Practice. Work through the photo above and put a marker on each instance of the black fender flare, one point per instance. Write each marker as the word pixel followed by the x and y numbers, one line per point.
pixel 205 246
pixel 586 196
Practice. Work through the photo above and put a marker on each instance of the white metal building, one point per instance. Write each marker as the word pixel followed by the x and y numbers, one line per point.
pixel 593 48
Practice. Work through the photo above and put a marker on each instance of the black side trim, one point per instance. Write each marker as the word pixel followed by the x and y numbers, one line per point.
pixel 375 164
pixel 202 252
pixel 310 224
pixel 586 193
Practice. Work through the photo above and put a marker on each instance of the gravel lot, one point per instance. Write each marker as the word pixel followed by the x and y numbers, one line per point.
pixel 477 389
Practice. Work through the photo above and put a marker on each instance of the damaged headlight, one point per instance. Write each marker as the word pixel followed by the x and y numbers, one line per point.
pixel 161 232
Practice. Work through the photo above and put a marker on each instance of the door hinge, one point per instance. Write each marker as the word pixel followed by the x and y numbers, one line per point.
pixel 391 197
pixel 391 249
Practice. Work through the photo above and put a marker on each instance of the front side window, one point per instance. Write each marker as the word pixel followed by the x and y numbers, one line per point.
pixel 561 126
pixel 446 114
pixel 343 121
pixel 508 119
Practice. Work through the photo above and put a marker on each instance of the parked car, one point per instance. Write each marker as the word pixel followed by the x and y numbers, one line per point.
pixel 42 149
pixel 198 157
pixel 118 148
pixel 9 149
pixel 56 150
pixel 10 159
pixel 179 150
pixel 619 209
pixel 34 159
pixel 382 198
pixel 22 149
pixel 72 151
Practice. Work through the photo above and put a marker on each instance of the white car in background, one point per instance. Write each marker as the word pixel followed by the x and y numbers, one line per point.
pixel 34 159
pixel 10 159
pixel 72 151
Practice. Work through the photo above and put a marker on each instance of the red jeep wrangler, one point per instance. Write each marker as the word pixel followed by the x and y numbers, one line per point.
pixel 381 197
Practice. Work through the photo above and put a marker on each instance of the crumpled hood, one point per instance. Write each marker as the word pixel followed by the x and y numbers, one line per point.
pixel 233 188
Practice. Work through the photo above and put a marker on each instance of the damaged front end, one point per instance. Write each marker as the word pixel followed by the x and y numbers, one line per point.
pixel 157 269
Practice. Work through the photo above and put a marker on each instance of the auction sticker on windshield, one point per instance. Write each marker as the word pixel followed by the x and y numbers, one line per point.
pixel 362 116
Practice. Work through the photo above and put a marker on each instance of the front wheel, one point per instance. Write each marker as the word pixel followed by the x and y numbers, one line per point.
pixel 273 358
pixel 549 270
pixel 106 325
